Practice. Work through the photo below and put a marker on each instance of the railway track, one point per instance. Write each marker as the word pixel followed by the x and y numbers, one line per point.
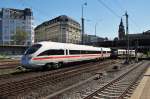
pixel 31 74
pixel 7 60
pixel 7 64
pixel 121 86
pixel 15 87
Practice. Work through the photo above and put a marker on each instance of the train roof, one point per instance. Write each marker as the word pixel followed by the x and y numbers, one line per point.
pixel 106 49
pixel 57 45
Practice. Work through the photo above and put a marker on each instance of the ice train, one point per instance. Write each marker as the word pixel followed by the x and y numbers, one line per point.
pixel 121 53
pixel 48 54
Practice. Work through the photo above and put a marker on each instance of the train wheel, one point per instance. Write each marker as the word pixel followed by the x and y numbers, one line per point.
pixel 60 64
pixel 57 65
pixel 47 66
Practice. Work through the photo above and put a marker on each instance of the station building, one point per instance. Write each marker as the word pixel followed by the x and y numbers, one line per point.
pixel 13 19
pixel 140 36
pixel 60 29
pixel 92 39
pixel 135 36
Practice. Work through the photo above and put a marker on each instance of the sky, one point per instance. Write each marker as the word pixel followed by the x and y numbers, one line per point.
pixel 104 14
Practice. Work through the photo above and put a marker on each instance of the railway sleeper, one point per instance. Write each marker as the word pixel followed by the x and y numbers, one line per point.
pixel 125 81
pixel 110 93
pixel 111 90
pixel 95 97
pixel 20 88
pixel 117 89
pixel 128 95
pixel 25 89
pixel 105 96
pixel 130 92
pixel 120 84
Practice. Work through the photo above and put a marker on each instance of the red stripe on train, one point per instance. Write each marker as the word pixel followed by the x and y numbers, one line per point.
pixel 59 57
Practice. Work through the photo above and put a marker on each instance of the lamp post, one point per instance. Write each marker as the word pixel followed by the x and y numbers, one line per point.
pixel 82 22
pixel 127 37
pixel 96 27
pixel 97 23
pixel 136 50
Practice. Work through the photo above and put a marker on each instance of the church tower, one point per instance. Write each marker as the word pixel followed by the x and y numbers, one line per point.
pixel 121 31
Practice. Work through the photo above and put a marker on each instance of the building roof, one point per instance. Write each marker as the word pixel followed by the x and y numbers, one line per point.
pixel 147 32
pixel 144 35
pixel 61 18
pixel 17 13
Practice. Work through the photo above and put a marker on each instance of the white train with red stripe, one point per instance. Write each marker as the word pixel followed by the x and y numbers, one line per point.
pixel 53 54
pixel 121 53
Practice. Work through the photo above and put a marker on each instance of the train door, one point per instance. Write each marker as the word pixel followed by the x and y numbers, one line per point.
pixel 101 53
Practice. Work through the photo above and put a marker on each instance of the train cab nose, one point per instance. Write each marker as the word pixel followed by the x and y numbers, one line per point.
pixel 25 61
pixel 26 58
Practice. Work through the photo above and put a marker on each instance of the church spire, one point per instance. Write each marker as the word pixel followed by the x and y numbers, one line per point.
pixel 121 23
pixel 121 31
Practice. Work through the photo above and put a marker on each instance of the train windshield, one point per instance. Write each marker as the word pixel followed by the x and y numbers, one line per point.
pixel 33 49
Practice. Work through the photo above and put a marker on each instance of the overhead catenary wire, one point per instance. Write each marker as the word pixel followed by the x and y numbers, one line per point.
pixel 135 24
pixel 100 2
pixel 115 14
pixel 120 6
pixel 108 8
pixel 130 18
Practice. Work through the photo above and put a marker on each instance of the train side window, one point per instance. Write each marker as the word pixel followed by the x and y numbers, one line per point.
pixel 90 52
pixel 33 49
pixel 74 51
pixel 108 51
pixel 93 52
pixel 104 51
pixel 83 52
pixel 52 52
